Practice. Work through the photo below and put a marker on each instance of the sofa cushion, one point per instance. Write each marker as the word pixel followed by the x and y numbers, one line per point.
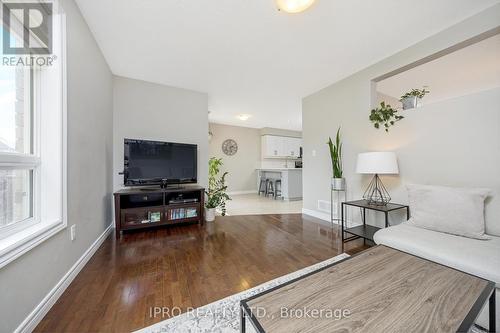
pixel 477 257
pixel 458 211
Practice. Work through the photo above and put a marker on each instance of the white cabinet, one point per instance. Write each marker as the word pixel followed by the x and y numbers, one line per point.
pixel 272 146
pixel 293 147
pixel 280 146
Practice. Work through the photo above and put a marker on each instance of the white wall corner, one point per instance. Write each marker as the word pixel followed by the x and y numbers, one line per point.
pixel 34 318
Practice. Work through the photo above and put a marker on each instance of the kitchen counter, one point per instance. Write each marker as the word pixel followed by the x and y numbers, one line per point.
pixel 291 180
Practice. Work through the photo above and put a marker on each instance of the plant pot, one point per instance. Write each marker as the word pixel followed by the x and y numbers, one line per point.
pixel 338 184
pixel 410 102
pixel 209 214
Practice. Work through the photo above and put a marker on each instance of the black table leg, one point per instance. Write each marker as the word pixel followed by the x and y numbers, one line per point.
pixel 364 223
pixel 342 226
pixel 407 213
pixel 386 219
pixel 492 309
pixel 242 319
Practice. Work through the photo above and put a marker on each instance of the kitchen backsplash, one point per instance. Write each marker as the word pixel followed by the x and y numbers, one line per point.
pixel 277 163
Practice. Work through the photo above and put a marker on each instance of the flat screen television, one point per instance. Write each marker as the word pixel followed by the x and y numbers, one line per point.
pixel 159 163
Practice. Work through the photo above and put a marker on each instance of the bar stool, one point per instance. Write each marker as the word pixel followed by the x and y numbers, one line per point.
pixel 270 187
pixel 263 186
pixel 277 189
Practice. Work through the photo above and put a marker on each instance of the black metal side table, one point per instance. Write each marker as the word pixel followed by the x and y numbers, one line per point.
pixel 367 231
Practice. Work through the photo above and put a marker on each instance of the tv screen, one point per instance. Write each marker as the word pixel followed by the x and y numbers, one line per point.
pixel 154 162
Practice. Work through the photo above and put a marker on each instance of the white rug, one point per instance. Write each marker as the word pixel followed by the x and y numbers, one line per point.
pixel 223 316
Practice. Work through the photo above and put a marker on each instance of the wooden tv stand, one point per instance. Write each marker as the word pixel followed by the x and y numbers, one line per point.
pixel 138 208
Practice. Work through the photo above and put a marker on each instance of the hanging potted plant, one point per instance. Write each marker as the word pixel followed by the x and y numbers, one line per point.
pixel 411 99
pixel 384 116
pixel 338 181
pixel 216 193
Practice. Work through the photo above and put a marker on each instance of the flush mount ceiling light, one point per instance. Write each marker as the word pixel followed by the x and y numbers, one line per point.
pixel 243 116
pixel 294 6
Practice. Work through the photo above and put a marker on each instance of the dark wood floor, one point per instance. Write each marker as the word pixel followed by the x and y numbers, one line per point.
pixel 187 266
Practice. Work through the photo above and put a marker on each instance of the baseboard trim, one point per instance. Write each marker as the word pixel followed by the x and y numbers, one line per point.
pixel 326 217
pixel 242 192
pixel 34 318
pixel 315 213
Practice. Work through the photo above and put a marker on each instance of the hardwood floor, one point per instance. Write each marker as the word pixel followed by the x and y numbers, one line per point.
pixel 187 266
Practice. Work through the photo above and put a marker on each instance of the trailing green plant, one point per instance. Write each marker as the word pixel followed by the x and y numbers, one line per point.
pixel 419 93
pixel 384 116
pixel 336 155
pixel 216 193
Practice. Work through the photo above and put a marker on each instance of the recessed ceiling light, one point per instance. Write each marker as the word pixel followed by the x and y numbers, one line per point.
pixel 294 6
pixel 243 116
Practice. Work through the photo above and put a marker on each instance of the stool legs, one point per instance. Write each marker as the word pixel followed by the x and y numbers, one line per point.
pixel 263 186
pixel 277 189
pixel 270 188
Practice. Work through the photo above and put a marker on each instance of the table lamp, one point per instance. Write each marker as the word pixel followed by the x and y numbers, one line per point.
pixel 377 163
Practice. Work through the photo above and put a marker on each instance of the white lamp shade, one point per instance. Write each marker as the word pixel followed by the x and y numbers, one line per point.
pixel 377 163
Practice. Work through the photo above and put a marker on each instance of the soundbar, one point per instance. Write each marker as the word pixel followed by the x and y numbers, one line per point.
pixel 182 201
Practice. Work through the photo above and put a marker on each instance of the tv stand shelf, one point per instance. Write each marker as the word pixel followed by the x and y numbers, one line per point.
pixel 139 208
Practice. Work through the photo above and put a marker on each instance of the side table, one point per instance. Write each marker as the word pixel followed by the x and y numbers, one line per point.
pixel 366 231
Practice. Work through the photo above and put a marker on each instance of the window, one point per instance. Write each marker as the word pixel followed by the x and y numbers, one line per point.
pixel 18 159
pixel 32 145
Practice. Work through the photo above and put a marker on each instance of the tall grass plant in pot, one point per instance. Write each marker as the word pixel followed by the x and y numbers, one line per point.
pixel 338 180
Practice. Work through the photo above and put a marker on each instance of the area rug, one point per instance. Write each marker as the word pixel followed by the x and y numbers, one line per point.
pixel 223 316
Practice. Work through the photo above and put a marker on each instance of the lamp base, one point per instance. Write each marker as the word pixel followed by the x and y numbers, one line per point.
pixel 376 193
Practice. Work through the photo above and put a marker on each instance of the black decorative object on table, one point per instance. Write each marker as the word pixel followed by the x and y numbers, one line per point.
pixel 376 193
pixel 367 231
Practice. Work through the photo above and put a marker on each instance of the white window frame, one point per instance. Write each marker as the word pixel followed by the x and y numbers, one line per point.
pixel 20 237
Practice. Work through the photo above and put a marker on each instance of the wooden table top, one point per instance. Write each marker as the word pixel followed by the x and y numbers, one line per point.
pixel 379 290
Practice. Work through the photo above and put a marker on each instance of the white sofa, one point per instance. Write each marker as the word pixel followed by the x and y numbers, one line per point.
pixel 477 257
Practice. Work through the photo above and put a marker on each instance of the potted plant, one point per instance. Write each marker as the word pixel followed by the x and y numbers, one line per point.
pixel 385 116
pixel 216 193
pixel 411 98
pixel 338 181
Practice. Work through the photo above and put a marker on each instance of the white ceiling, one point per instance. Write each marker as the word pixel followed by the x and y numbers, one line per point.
pixel 251 58
pixel 469 70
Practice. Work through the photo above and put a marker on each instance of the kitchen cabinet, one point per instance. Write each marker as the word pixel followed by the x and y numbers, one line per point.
pixel 292 146
pixel 274 146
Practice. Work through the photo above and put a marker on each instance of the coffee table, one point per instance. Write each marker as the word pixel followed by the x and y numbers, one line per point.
pixel 378 290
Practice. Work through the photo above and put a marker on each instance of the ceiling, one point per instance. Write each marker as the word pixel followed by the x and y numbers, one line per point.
pixel 468 70
pixel 251 58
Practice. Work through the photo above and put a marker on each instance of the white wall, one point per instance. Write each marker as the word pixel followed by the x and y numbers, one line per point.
pixel 454 142
pixel 149 111
pixel 27 280
pixel 241 166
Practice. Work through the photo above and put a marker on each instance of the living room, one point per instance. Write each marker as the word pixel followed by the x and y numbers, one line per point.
pixel 115 119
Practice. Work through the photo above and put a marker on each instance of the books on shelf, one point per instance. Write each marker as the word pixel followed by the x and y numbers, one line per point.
pixel 191 212
pixel 154 216
pixel 182 213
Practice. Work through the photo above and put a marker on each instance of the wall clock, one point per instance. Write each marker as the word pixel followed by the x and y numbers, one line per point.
pixel 229 147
